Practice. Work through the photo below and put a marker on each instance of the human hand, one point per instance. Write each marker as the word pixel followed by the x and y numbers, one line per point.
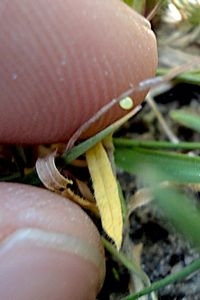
pixel 61 61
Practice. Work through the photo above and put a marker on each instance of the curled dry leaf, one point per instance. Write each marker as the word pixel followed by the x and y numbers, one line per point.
pixel 49 174
pixel 56 182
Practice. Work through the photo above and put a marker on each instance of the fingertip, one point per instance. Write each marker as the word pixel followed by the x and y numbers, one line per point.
pixel 63 60
pixel 47 245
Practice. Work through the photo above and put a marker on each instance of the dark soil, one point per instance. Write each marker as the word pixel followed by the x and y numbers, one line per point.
pixel 164 250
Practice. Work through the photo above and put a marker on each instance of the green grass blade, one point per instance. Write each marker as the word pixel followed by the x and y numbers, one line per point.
pixel 129 264
pixel 186 271
pixel 175 205
pixel 180 168
pixel 89 143
pixel 129 143
pixel 182 213
pixel 129 2
pixel 11 177
pixel 188 77
pixel 84 146
pixel 187 119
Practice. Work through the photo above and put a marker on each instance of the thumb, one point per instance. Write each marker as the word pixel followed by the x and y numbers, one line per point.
pixel 49 249
pixel 61 61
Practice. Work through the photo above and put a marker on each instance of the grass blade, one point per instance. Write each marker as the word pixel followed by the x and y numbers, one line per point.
pixel 80 149
pixel 157 145
pixel 182 213
pixel 182 168
pixel 186 271
pixel 187 119
pixel 188 77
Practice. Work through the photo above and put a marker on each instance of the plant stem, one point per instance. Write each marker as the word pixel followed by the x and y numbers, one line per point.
pixel 129 264
pixel 171 136
pixel 193 267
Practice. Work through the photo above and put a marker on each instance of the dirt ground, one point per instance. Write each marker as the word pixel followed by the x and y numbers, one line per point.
pixel 164 250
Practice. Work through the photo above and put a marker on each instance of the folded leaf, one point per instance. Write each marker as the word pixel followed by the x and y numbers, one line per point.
pixel 106 192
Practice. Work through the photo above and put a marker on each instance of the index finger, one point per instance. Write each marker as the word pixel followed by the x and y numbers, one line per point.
pixel 61 61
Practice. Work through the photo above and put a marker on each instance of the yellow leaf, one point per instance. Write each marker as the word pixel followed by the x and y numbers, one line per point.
pixel 106 192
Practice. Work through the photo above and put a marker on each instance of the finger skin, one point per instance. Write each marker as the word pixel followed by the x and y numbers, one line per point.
pixel 63 60
pixel 50 249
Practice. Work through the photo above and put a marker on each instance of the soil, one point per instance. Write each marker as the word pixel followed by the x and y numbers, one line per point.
pixel 164 250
